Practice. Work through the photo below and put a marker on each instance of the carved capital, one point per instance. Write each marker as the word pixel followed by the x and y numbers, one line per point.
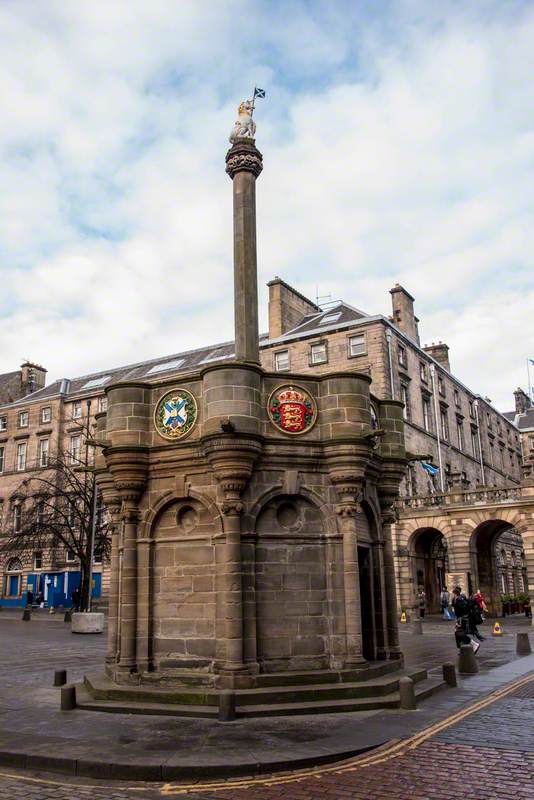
pixel 244 157
pixel 347 510
pixel 232 507
pixel 130 514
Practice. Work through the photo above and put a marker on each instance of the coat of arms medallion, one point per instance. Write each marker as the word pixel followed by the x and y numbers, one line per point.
pixel 176 414
pixel 292 410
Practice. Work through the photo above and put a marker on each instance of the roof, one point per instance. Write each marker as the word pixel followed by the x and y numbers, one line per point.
pixel 525 421
pixel 10 387
pixel 337 316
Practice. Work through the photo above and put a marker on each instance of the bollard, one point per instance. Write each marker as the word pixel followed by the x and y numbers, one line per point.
pixel 67 617
pixel 407 694
pixel 226 706
pixel 60 677
pixel 417 627
pixel 467 663
pixel 523 645
pixel 68 697
pixel 26 615
pixel 449 674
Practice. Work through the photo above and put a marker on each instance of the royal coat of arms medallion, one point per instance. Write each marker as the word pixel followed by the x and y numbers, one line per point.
pixel 176 414
pixel 292 410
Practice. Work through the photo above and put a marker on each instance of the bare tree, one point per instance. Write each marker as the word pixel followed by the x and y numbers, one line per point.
pixel 59 507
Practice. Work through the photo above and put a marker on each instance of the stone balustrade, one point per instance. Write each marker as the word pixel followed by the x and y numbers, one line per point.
pixel 458 497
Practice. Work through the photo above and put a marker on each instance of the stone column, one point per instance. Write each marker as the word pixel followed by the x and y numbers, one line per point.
pixel 113 507
pixel 128 617
pixel 387 513
pixel 243 165
pixel 230 586
pixel 347 511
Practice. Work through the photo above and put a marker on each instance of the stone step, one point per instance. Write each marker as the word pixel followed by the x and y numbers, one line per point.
pixel 423 689
pixel 101 688
pixel 370 670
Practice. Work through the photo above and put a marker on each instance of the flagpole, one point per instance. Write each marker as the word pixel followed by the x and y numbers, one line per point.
pixel 529 383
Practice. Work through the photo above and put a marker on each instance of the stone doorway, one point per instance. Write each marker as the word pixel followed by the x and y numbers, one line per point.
pixel 430 566
pixel 365 566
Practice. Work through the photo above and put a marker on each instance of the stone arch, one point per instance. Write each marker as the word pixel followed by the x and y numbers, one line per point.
pixel 291 586
pixel 428 549
pixel 166 498
pixel 13 577
pixel 182 591
pixel 260 501
pixel 495 541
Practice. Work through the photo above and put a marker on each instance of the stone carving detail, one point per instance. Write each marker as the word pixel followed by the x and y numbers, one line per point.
pixel 348 509
pixel 232 507
pixel 244 126
pixel 243 161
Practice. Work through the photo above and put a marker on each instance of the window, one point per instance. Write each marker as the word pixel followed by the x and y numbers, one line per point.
pixel 77 409
pixel 456 398
pixel 38 560
pixel 441 385
pixel 488 419
pixel 3 423
pixel 13 582
pixel 41 513
pixel 1 460
pixel 318 353
pixel 17 518
pixel 46 414
pixel 97 558
pixel 43 452
pixel 94 382
pixel 70 556
pixel 405 397
pixel 444 424
pixel 356 345
pixel 102 403
pixel 175 364
pixel 423 372
pixel 403 358
pixel 330 318
pixel 412 481
pixel 471 409
pixel 427 415
pixel 491 453
pixel 281 360
pixel 21 456
pixel 502 457
pixel 24 419
pixel 75 448
pixel 461 438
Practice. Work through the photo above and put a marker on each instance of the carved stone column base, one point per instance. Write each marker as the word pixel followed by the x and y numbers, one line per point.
pixel 239 678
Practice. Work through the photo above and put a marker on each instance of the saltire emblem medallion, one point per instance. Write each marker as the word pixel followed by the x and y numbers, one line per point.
pixel 292 410
pixel 175 414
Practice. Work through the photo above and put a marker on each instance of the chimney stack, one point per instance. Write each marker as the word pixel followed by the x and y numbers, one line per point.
pixel 32 377
pixel 522 402
pixel 440 352
pixel 243 165
pixel 403 313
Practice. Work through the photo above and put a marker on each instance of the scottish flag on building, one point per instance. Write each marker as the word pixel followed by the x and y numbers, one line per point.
pixel 430 468
pixel 258 93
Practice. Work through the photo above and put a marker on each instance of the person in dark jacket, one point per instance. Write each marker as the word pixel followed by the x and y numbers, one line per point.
pixel 76 599
pixel 29 597
pixel 465 631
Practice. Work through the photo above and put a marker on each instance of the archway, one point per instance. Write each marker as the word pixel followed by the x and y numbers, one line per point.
pixel 13 578
pixel 500 564
pixel 430 565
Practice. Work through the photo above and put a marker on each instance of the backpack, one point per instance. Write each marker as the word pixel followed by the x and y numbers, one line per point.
pixel 461 606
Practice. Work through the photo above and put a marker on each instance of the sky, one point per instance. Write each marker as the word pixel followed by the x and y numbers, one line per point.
pixel 398 144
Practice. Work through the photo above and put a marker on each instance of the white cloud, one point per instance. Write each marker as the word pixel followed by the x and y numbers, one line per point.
pixel 398 146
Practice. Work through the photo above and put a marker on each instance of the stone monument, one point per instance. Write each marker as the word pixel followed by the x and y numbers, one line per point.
pixel 251 514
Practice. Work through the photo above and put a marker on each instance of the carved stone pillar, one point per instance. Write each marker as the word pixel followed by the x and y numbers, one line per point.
pixel 113 505
pixel 230 591
pixel 128 588
pixel 387 512
pixel 347 511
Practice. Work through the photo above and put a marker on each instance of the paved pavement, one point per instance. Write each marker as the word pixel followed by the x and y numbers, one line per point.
pixel 486 755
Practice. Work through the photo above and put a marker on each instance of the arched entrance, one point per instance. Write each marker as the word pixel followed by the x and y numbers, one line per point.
pixel 430 565
pixel 500 562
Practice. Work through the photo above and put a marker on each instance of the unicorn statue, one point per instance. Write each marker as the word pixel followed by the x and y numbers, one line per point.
pixel 244 126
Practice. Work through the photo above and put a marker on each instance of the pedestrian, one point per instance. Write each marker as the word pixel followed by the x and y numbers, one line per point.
pixel 422 603
pixel 40 599
pixel 29 597
pixel 445 600
pixel 527 608
pixel 468 616
pixel 480 601
pixel 76 599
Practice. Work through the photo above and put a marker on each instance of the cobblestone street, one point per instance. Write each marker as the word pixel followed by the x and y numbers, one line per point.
pixel 482 750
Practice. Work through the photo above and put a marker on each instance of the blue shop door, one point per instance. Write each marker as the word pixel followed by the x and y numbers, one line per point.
pixel 54 589
pixel 13 585
pixel 72 584
pixel 97 585
pixel 33 584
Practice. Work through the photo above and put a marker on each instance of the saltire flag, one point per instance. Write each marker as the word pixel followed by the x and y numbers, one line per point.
pixel 261 94
pixel 430 468
pixel 531 360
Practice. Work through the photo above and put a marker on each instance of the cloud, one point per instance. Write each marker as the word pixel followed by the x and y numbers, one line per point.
pixel 398 146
